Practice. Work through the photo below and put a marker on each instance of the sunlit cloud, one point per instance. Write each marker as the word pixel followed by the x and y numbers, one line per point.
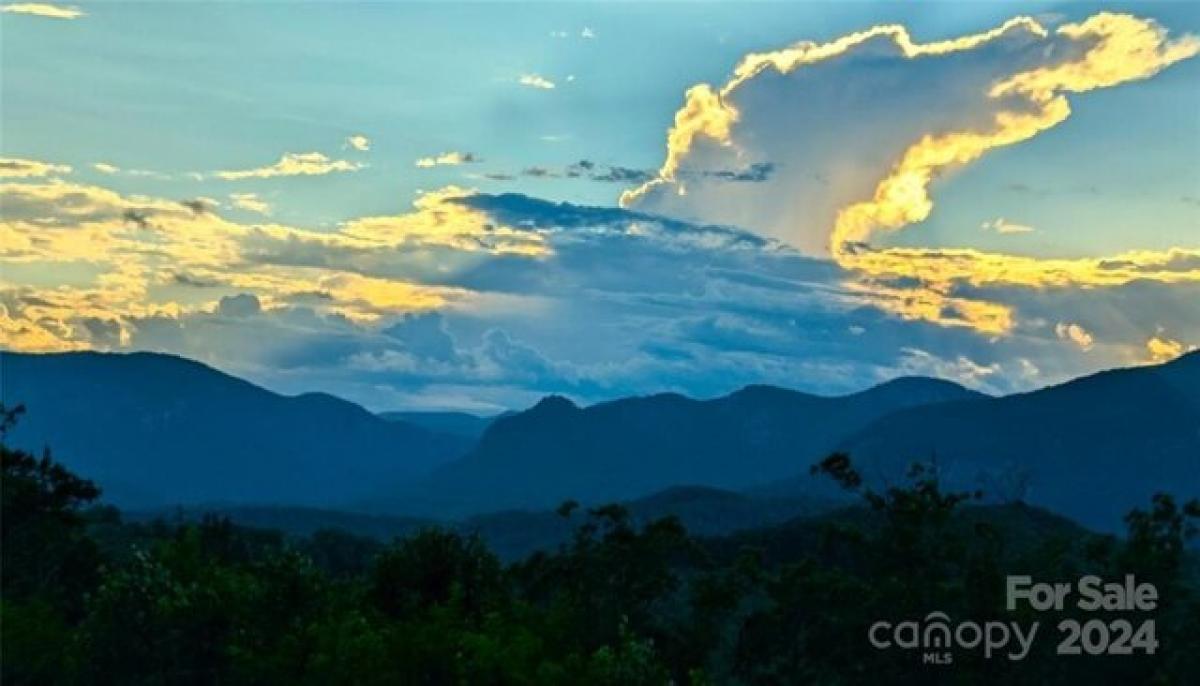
pixel 41 9
pixel 11 167
pixel 106 168
pixel 536 81
pixel 119 259
pixel 250 202
pixel 1020 86
pixel 359 142
pixel 1070 331
pixel 293 164
pixel 451 159
pixel 1160 348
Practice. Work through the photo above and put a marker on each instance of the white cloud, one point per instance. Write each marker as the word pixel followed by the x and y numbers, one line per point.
pixel 106 168
pixel 41 9
pixel 250 202
pixel 587 33
pixel 1002 225
pixel 359 142
pixel 536 81
pixel 451 159
pixel 293 164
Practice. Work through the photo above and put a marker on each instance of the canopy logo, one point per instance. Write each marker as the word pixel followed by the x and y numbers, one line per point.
pixel 936 637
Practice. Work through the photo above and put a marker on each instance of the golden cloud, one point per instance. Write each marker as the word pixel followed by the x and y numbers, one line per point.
pixel 12 167
pixel 117 258
pixel 1103 51
pixel 1070 331
pixel 1162 349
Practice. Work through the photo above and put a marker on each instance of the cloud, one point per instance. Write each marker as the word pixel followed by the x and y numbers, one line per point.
pixel 535 81
pixel 1163 349
pixel 240 305
pixel 1003 226
pixel 201 205
pixel 250 202
pixel 108 168
pixel 453 158
pixel 40 9
pixel 11 167
pixel 1069 331
pixel 493 300
pixel 359 142
pixel 948 103
pixel 587 33
pixel 293 164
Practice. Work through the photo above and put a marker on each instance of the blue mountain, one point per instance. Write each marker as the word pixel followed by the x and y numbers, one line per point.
pixel 157 429
pixel 631 447
pixel 1091 449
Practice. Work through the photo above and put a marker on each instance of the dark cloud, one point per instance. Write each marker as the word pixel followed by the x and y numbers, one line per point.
pixel 755 173
pixel 185 279
pixel 137 217
pixel 197 205
pixel 241 305
pixel 623 175
pixel 628 302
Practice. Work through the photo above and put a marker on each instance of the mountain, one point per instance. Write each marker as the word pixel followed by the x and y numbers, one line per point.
pixel 463 424
pixel 627 448
pixel 513 535
pixel 156 429
pixel 1091 449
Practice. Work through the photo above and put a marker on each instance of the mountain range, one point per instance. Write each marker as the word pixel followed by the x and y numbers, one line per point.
pixel 625 448
pixel 157 430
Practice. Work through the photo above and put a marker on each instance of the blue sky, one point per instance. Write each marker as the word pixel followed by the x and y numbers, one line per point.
pixel 149 104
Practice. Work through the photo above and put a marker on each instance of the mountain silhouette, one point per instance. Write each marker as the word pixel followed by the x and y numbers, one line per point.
pixel 1091 449
pixel 156 429
pixel 631 447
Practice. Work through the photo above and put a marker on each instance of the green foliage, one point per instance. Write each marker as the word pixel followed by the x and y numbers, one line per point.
pixel 89 599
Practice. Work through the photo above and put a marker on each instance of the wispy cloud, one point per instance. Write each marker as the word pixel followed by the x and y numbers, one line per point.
pixel 109 168
pixel 293 164
pixel 41 9
pixel 451 159
pixel 1002 225
pixel 359 142
pixel 12 167
pixel 250 202
pixel 536 81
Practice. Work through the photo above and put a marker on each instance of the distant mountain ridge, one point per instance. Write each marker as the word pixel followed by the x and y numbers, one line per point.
pixel 1091 448
pixel 625 448
pixel 464 424
pixel 157 429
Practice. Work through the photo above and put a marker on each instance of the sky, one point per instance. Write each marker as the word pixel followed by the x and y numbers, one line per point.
pixel 470 206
